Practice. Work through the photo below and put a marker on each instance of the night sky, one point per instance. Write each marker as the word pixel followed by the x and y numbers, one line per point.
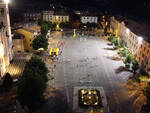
pixel 129 6
pixel 114 3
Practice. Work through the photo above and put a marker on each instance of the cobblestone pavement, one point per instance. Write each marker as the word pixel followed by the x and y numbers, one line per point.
pixel 16 67
pixel 54 42
pixel 81 57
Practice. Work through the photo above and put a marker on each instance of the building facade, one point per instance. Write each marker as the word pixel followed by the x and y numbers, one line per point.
pixel 29 34
pixel 18 43
pixel 50 16
pixel 89 19
pixel 33 16
pixel 144 55
pixel 135 37
pixel 6 53
pixel 47 15
pixel 60 18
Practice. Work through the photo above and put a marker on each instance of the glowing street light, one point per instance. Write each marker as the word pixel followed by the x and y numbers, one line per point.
pixel 140 39
pixel 127 31
pixel 96 103
pixel 56 17
pixel 90 92
pixel 57 26
pixel 7 1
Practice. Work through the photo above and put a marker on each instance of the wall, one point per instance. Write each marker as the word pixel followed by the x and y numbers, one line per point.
pixel 89 19
pixel 29 36
pixel 138 47
pixel 144 55
pixel 4 18
pixel 59 19
pixel 18 45
pixel 4 53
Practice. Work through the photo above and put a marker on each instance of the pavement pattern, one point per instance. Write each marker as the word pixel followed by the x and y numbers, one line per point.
pixel 82 56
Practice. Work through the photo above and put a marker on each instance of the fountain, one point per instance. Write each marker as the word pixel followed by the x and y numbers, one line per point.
pixel 89 98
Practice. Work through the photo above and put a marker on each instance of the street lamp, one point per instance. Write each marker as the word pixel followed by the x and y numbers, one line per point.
pixel 6 1
pixel 56 17
pixel 127 31
pixel 140 39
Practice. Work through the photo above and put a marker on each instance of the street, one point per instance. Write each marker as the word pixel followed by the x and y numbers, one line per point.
pixel 81 57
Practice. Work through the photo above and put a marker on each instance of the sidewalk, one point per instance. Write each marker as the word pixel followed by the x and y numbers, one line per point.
pixel 53 43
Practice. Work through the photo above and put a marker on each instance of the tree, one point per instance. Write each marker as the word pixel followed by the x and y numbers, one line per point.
pixel 32 84
pixel 129 58
pixel 124 52
pixel 44 28
pixel 128 61
pixel 54 25
pixel 40 22
pixel 40 42
pixel 135 66
pixel 7 82
pixel 111 37
pixel 62 24
pixel 105 30
pixel 83 26
pixel 117 42
pixel 50 25
pixel 36 64
pixel 68 25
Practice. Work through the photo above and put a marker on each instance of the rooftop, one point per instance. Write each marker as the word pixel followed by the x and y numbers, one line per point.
pixel 35 28
pixel 18 36
pixel 48 12
pixel 61 13
pixel 32 29
pixel 29 30
pixel 139 28
pixel 88 16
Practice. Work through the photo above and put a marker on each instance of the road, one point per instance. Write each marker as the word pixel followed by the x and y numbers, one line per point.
pixel 83 56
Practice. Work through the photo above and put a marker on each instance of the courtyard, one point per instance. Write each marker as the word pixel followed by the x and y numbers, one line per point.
pixel 84 55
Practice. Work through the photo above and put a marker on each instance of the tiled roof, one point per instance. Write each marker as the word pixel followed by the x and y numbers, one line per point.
pixel 35 28
pixel 29 30
pixel 140 29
